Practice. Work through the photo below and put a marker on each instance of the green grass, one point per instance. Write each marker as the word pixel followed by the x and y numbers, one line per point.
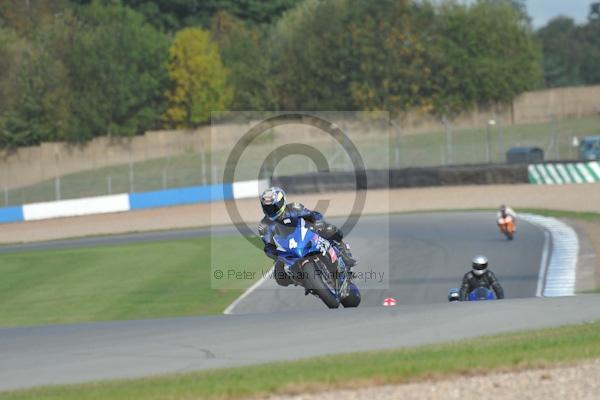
pixel 136 281
pixel 584 216
pixel 425 149
pixel 512 351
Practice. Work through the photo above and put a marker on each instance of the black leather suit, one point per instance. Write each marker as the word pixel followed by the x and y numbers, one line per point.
pixel 487 279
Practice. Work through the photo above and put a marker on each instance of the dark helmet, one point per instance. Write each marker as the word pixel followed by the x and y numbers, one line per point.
pixel 273 202
pixel 453 295
pixel 503 209
pixel 480 264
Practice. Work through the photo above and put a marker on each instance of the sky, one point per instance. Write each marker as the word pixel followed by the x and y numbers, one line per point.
pixel 541 11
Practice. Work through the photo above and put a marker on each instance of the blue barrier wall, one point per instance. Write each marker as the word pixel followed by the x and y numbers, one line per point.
pixel 11 214
pixel 173 197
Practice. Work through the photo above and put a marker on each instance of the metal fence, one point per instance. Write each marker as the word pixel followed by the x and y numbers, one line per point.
pixel 383 148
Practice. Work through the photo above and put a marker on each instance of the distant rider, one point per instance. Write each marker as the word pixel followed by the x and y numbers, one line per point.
pixel 480 276
pixel 276 210
pixel 505 211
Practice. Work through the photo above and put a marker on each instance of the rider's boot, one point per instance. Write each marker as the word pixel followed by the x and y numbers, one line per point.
pixel 346 255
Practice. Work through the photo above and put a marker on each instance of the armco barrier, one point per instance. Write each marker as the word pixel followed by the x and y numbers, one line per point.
pixel 11 214
pixel 76 207
pixel 249 189
pixel 133 201
pixel 175 197
pixel 406 177
pixel 196 194
pixel 312 183
pixel 561 173
pixel 327 182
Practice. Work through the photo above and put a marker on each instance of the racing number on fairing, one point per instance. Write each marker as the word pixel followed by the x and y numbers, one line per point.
pixel 292 244
pixel 322 245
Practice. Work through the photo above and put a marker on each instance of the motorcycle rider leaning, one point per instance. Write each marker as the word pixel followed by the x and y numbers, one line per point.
pixel 276 209
pixel 505 211
pixel 480 276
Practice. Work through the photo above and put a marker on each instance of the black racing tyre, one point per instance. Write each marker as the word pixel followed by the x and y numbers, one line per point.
pixel 314 281
pixel 353 298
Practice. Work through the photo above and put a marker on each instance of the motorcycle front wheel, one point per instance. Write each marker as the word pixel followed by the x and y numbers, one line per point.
pixel 315 282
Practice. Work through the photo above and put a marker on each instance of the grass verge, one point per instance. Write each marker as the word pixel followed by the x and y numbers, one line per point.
pixel 134 281
pixel 511 351
pixel 584 216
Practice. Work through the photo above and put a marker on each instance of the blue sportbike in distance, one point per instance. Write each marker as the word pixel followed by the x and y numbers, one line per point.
pixel 312 262
pixel 481 293
pixel 478 294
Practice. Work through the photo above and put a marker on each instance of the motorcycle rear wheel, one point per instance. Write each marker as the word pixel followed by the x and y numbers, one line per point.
pixel 353 298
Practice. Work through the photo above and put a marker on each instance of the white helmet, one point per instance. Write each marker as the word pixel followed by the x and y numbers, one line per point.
pixel 480 264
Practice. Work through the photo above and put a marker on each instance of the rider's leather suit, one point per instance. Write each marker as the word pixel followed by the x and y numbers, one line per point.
pixel 297 210
pixel 487 279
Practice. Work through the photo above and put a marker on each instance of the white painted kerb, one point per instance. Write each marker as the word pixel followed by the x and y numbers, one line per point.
pixel 559 277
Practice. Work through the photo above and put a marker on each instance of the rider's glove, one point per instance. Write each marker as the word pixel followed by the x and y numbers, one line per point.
pixel 271 251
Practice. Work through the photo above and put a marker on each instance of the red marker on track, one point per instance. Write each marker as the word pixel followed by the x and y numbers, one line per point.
pixel 390 301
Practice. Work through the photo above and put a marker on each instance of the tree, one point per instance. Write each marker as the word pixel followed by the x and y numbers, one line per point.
pixel 590 39
pixel 198 79
pixel 594 14
pixel 24 17
pixel 519 6
pixel 246 56
pixel 562 52
pixel 43 111
pixel 312 57
pixel 97 70
pixel 398 54
pixel 116 63
pixel 35 99
pixel 12 50
pixel 173 15
pixel 390 42
pixel 572 52
pixel 486 55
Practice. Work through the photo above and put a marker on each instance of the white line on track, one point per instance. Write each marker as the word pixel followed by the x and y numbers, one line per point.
pixel 248 291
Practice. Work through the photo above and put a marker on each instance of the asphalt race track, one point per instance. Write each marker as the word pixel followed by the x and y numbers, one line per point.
pixel 428 253
pixel 420 257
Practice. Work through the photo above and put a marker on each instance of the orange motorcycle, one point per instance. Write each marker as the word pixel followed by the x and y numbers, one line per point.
pixel 507 226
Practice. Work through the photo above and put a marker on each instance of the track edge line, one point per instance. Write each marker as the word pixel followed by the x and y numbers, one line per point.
pixel 255 285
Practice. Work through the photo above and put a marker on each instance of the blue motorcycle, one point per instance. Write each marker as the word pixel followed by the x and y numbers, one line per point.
pixel 314 263
pixel 481 293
